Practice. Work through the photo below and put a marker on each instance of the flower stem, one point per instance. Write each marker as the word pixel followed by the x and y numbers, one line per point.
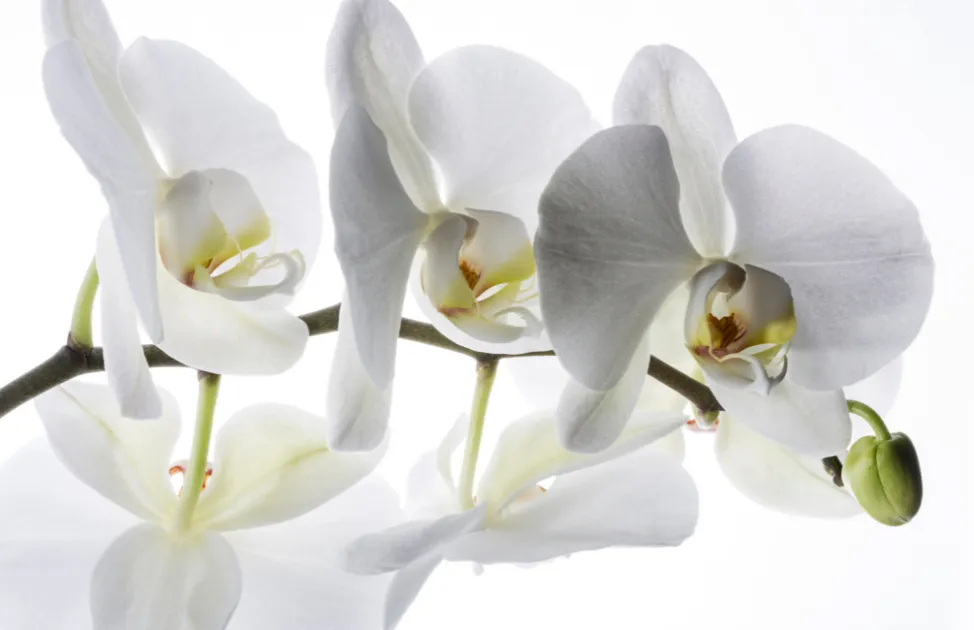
pixel 486 371
pixel 868 414
pixel 196 469
pixel 80 335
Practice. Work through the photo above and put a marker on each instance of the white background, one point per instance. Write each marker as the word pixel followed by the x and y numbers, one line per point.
pixel 892 78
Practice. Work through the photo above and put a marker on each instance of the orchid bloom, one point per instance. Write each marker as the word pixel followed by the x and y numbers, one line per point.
pixel 630 495
pixel 495 125
pixel 214 215
pixel 808 270
pixel 124 554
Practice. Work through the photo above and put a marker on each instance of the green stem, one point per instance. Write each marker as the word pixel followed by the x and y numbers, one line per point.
pixel 80 335
pixel 868 414
pixel 486 370
pixel 196 469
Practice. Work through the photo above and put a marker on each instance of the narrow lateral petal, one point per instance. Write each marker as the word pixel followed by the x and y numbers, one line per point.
pixel 807 421
pixel 377 232
pixel 214 334
pixel 272 463
pixel 776 477
pixel 666 87
pixel 610 249
pixel 201 118
pixel 149 580
pixel 126 461
pixel 642 499
pixel 396 547
pixel 405 586
pixel 372 60
pixel 590 420
pixel 358 410
pixel 498 124
pixel 125 364
pixel 128 182
pixel 528 452
pixel 847 242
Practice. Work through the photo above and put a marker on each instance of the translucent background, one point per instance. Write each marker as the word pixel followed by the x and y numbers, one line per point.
pixel 892 78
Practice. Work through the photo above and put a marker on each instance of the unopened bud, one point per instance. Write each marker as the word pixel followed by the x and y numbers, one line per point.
pixel 884 475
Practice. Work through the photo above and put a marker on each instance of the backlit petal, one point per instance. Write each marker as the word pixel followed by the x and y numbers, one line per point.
pixel 776 477
pixel 127 461
pixel 498 124
pixel 272 463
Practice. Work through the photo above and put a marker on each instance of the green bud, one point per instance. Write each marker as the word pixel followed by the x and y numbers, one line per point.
pixel 885 477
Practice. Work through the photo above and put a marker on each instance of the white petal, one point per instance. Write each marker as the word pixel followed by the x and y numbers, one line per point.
pixel 272 463
pixel 358 411
pixel 201 118
pixel 396 547
pixel 778 478
pixel 442 280
pixel 149 580
pixel 211 333
pixel 666 343
pixel 405 586
pixel 590 420
pixel 847 242
pixel 665 87
pixel 528 452
pixel 430 488
pixel 52 533
pixel 807 421
pixel 879 390
pixel 88 25
pixel 498 124
pixel 125 364
pixel 126 461
pixel 373 58
pixel 377 231
pixel 642 499
pixel 128 182
pixel 610 249
pixel 291 571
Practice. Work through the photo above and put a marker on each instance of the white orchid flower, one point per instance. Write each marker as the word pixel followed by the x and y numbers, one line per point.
pixel 66 550
pixel 495 125
pixel 808 270
pixel 214 215
pixel 629 495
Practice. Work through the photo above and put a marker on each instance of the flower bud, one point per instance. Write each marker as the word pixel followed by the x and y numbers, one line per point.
pixel 885 477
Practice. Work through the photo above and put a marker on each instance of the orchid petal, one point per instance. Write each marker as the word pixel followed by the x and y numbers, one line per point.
pixel 373 58
pixel 396 547
pixel 406 585
pixel 202 119
pixel 665 87
pixel 149 580
pixel 498 124
pixel 613 504
pixel 528 451
pixel 358 411
pixel 213 334
pixel 443 282
pixel 377 233
pixel 273 463
pixel 879 390
pixel 610 249
pixel 806 421
pixel 125 364
pixel 128 182
pixel 776 477
pixel 52 533
pixel 847 242
pixel 591 420
pixel 124 460
pixel 287 567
